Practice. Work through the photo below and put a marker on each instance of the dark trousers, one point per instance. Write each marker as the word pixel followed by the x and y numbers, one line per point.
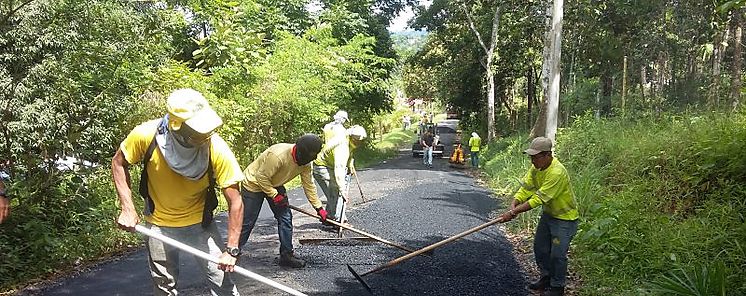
pixel 551 244
pixel 252 204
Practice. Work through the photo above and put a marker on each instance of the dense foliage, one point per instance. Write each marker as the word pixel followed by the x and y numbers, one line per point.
pixel 77 76
pixel 657 216
pixel 678 54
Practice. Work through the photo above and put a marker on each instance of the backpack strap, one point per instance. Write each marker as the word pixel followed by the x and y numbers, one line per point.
pixel 149 205
pixel 211 198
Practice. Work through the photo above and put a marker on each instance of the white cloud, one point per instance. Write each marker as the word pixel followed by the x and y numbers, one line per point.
pixel 399 24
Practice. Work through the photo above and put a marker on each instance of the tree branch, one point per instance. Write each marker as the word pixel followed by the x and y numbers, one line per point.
pixel 474 28
pixel 12 12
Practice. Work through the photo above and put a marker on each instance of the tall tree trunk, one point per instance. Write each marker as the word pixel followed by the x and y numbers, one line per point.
pixel 539 129
pixel 530 94
pixel 553 99
pixel 491 130
pixel 606 87
pixel 624 85
pixel 736 85
pixel 643 83
pixel 713 98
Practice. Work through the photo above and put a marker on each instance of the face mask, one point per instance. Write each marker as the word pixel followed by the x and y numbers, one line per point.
pixel 188 137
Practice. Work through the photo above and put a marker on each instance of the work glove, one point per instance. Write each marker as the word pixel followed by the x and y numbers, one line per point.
pixel 322 213
pixel 280 200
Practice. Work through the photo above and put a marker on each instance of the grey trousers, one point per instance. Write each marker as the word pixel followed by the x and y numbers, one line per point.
pixel 164 259
pixel 333 191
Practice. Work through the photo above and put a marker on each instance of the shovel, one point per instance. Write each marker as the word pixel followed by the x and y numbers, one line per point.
pixel 357 180
pixel 181 246
pixel 341 225
pixel 401 259
pixel 343 216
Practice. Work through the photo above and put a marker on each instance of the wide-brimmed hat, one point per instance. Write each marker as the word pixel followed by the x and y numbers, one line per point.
pixel 188 106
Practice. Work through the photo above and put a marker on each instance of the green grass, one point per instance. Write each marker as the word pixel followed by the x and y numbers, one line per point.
pixel 658 197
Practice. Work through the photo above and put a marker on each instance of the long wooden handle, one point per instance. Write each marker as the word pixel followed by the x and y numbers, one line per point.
pixel 433 246
pixel 177 244
pixel 380 239
pixel 360 188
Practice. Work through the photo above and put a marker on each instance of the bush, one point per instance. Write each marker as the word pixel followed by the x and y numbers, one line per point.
pixel 656 195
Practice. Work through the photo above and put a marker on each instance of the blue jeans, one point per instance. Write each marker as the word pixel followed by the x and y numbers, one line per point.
pixel 475 159
pixel 252 204
pixel 551 243
pixel 427 156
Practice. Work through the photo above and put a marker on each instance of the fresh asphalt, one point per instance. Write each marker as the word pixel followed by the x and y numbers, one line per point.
pixel 414 206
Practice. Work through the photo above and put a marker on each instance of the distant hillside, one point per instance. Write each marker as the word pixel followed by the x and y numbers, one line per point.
pixel 408 42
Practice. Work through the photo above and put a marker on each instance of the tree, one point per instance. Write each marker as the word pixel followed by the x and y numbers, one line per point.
pixel 554 74
pixel 489 56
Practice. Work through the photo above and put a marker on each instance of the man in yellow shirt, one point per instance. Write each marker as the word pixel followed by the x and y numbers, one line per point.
pixel 547 184
pixel 4 197
pixel 265 178
pixel 474 143
pixel 183 160
pixel 331 169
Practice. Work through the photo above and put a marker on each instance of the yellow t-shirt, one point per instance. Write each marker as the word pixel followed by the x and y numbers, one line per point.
pixel 178 200
pixel 275 167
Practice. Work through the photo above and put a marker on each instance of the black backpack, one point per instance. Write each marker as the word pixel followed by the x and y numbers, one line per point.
pixel 211 200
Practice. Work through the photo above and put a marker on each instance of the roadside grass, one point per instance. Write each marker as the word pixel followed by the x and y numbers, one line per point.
pixel 662 201
pixel 386 147
pixel 47 237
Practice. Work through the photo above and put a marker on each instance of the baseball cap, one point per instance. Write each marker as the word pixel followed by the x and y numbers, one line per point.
pixel 538 145
pixel 188 106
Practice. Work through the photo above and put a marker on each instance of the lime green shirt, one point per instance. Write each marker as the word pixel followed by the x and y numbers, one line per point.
pixel 474 143
pixel 337 157
pixel 550 188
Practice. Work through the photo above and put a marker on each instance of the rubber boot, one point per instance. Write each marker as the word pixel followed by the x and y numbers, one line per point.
pixel 554 291
pixel 289 260
pixel 540 284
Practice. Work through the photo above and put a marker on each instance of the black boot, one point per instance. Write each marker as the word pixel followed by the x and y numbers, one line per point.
pixel 289 260
pixel 554 291
pixel 540 284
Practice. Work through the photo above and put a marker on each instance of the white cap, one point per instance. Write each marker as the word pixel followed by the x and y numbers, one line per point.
pixel 341 116
pixel 357 131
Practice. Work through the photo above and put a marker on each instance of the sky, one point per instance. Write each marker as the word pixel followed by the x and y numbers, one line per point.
pixel 399 24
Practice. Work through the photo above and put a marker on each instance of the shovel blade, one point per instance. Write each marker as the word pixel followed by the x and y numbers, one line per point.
pixel 359 279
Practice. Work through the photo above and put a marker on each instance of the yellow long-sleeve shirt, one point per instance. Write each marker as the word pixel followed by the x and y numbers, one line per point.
pixel 550 188
pixel 275 167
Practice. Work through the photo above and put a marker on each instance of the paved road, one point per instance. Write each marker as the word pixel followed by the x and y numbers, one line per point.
pixel 414 206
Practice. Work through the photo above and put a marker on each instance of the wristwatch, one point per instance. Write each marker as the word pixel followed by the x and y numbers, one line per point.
pixel 233 251
pixel 3 193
